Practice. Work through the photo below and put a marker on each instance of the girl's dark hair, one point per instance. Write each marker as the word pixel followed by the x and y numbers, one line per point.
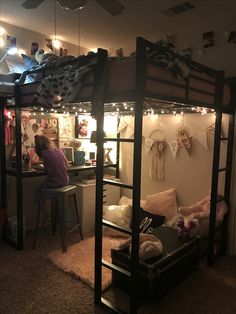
pixel 42 142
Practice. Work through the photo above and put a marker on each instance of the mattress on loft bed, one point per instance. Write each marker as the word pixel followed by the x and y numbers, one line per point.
pixel 7 85
pixel 199 89
pixel 158 275
pixel 64 83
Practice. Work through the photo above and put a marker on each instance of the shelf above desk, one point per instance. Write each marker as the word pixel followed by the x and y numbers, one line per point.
pixel 39 173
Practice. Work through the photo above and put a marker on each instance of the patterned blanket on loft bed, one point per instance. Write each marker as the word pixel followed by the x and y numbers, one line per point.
pixel 63 85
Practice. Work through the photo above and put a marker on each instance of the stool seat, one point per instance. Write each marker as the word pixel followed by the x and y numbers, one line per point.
pixel 60 195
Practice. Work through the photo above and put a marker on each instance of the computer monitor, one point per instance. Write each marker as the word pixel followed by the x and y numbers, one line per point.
pixel 69 153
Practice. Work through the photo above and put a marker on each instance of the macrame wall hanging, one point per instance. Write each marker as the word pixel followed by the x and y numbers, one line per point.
pixel 156 144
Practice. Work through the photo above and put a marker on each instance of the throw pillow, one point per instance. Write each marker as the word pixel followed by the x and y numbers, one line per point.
pixel 149 221
pixel 119 215
pixel 163 204
pixel 124 200
pixel 16 65
pixel 29 63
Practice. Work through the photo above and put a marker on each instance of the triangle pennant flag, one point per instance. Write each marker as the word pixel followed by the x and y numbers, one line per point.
pixel 187 144
pixel 122 125
pixel 129 131
pixel 161 146
pixel 173 148
pixel 148 144
pixel 202 138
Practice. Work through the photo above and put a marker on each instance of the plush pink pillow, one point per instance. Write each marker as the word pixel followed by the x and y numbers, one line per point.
pixel 163 203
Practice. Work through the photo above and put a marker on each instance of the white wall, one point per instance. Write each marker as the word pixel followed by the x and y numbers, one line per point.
pixel 25 37
pixel 189 175
pixel 219 57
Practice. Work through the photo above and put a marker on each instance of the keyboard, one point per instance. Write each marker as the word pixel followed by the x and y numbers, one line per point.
pixel 38 167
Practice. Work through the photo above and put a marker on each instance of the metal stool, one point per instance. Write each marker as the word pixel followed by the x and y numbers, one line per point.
pixel 61 196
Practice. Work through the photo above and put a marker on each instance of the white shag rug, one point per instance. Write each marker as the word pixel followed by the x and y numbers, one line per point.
pixel 79 259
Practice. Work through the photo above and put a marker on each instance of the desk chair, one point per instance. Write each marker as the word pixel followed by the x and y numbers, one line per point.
pixel 61 196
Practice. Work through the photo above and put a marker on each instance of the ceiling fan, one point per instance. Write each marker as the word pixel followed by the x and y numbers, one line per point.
pixel 114 7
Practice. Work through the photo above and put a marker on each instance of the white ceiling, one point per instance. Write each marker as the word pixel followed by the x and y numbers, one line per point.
pixel 140 18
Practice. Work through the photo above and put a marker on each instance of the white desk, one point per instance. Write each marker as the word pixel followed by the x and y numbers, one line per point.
pixel 86 195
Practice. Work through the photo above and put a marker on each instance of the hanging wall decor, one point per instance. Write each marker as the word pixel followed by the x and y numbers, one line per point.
pixel 157 160
pixel 232 37
pixel 183 138
pixel 122 125
pixel 48 43
pixel 202 139
pixel 34 48
pixel 173 145
pixel 63 52
pixel 11 42
pixel 148 144
pixel 208 39
pixel 156 144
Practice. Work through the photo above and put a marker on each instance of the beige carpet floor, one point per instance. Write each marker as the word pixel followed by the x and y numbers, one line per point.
pixel 79 259
pixel 29 283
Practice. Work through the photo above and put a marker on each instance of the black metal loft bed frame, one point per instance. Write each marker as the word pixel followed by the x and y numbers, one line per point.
pixel 138 97
pixel 99 97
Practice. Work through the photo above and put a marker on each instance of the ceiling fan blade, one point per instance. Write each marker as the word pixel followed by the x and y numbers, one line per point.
pixel 31 4
pixel 114 7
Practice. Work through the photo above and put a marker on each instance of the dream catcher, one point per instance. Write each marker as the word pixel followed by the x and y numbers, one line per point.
pixel 156 144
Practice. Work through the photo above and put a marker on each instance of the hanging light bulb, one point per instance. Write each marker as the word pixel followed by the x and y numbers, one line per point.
pixel 2 42
pixel 2 31
pixel 56 43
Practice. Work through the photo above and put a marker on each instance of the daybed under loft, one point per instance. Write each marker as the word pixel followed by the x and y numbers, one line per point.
pixel 145 80
pixel 132 79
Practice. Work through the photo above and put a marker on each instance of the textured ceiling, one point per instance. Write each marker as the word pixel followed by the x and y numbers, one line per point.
pixel 140 18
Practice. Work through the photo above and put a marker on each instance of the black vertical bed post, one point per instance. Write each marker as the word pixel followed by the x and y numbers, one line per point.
pixel 227 189
pixel 215 167
pixel 3 183
pixel 137 167
pixel 118 152
pixel 19 199
pixel 98 111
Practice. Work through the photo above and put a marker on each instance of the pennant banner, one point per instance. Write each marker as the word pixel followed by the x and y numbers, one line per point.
pixel 173 148
pixel 122 125
pixel 148 144
pixel 186 142
pixel 202 138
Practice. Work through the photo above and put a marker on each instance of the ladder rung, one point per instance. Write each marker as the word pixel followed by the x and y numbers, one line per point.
pixel 111 225
pixel 220 199
pixel 109 305
pixel 119 139
pixel 116 183
pixel 218 228
pixel 116 268
pixel 222 169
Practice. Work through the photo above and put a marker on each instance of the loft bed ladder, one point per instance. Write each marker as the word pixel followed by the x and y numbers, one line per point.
pixel 3 182
pixel 217 236
pixel 135 187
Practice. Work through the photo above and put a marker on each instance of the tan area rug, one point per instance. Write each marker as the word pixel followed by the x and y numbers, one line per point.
pixel 79 259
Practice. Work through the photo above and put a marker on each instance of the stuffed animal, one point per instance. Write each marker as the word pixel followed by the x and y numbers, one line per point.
pixel 149 246
pixel 49 58
pixel 43 57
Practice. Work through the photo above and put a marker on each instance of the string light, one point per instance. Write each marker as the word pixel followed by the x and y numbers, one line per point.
pixel 56 43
